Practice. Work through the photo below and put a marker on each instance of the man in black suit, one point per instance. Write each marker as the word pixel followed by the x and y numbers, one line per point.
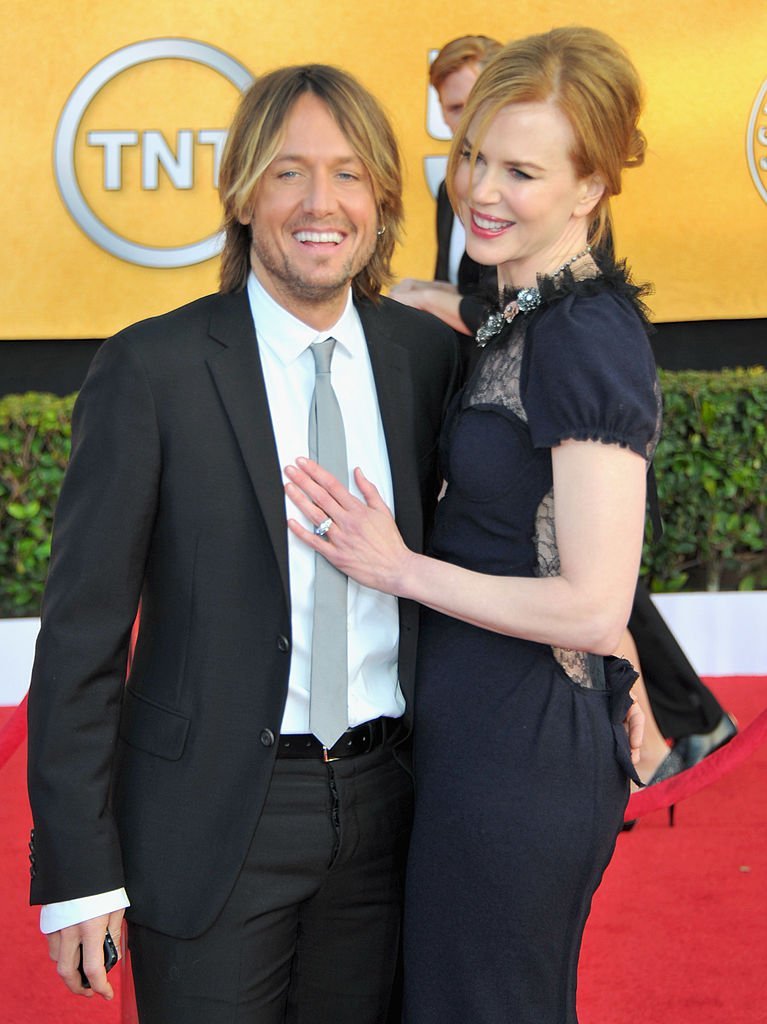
pixel 262 867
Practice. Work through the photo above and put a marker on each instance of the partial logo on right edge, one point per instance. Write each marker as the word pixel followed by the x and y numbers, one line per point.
pixel 756 142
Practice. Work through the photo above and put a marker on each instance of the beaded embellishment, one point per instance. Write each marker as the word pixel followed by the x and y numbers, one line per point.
pixel 526 301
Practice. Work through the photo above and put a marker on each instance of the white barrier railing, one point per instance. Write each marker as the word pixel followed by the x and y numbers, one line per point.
pixel 722 634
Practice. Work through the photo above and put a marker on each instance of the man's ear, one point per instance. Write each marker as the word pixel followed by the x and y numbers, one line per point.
pixel 591 191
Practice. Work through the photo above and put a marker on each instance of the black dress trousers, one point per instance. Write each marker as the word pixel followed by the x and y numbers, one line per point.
pixel 311 931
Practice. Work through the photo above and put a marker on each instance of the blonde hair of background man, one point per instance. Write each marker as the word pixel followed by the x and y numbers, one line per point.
pixel 456 53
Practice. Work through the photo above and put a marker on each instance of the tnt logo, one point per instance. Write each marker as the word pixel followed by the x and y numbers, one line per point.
pixel 756 142
pixel 434 167
pixel 138 147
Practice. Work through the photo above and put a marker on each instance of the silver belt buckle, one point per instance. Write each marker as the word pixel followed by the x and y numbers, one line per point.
pixel 325 757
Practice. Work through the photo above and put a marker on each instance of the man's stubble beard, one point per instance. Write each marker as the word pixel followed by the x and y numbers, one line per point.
pixel 282 271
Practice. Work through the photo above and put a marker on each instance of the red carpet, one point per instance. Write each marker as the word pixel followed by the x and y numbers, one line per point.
pixel 678 933
pixel 30 991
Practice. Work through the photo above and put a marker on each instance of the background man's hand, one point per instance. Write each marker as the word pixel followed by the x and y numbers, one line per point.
pixel 635 720
pixel 436 297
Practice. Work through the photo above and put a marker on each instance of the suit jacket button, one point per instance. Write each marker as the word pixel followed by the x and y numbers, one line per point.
pixel 283 644
pixel 267 737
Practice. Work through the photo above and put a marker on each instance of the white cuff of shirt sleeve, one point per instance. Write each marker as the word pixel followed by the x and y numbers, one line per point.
pixel 55 916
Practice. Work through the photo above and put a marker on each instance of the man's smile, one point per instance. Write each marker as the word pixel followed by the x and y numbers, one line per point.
pixel 319 237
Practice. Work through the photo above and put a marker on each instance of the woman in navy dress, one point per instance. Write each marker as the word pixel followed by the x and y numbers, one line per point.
pixel 522 761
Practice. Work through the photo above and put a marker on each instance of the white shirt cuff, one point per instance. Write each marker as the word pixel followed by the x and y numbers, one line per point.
pixel 55 916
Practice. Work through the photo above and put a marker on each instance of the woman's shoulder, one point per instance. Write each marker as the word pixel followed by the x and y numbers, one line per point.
pixel 607 309
pixel 589 370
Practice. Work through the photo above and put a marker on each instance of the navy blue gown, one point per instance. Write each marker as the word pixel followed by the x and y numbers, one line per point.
pixel 522 763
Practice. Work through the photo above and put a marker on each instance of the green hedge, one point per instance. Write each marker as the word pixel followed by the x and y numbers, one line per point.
pixel 34 447
pixel 710 467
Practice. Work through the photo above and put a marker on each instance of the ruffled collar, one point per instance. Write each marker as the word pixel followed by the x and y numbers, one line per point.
pixel 610 276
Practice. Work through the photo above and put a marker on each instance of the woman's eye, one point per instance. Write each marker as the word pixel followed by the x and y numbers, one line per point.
pixel 516 173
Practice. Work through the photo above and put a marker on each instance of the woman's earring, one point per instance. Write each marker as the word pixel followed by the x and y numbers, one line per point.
pixel 381 231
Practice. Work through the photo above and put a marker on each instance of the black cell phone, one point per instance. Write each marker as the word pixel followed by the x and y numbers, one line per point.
pixel 110 959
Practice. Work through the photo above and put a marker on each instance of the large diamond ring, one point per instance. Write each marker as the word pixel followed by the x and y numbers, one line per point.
pixel 324 526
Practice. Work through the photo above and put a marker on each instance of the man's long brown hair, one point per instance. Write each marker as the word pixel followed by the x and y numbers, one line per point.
pixel 254 140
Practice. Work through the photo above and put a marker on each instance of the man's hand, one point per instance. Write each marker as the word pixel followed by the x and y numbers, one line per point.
pixel 436 297
pixel 408 285
pixel 64 948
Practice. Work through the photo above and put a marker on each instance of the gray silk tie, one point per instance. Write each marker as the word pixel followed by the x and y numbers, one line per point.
pixel 328 715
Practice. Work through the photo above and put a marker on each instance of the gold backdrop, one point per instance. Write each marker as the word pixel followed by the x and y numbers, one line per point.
pixel 110 148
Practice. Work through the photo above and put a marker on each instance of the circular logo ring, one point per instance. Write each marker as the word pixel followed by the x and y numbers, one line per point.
pixel 756 110
pixel 69 123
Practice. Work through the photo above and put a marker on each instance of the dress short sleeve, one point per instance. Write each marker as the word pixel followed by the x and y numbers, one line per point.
pixel 589 374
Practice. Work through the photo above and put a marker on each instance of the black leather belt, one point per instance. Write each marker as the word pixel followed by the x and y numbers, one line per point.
pixel 359 740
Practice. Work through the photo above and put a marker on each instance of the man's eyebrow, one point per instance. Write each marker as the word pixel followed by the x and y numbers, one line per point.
pixel 302 157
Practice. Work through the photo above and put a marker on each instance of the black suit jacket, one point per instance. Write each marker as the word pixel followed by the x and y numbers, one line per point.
pixel 174 495
pixel 470 273
pixel 477 284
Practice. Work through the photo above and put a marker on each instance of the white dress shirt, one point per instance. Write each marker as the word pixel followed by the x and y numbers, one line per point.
pixel 372 617
pixel 456 250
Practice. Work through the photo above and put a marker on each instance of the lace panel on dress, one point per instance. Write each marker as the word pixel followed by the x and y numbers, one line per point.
pixel 496 379
pixel 582 668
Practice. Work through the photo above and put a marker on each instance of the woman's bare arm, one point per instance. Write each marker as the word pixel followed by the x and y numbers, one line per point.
pixel 599 514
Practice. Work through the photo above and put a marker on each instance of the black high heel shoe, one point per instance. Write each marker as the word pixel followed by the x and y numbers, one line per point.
pixel 694 748
pixel 672 764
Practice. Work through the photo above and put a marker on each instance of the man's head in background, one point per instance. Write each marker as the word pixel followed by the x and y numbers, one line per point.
pixel 456 68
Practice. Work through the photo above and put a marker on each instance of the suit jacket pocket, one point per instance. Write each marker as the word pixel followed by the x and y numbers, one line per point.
pixel 151 728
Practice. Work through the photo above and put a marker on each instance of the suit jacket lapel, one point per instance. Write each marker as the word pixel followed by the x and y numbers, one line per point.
pixel 237 373
pixel 445 218
pixel 236 370
pixel 394 386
